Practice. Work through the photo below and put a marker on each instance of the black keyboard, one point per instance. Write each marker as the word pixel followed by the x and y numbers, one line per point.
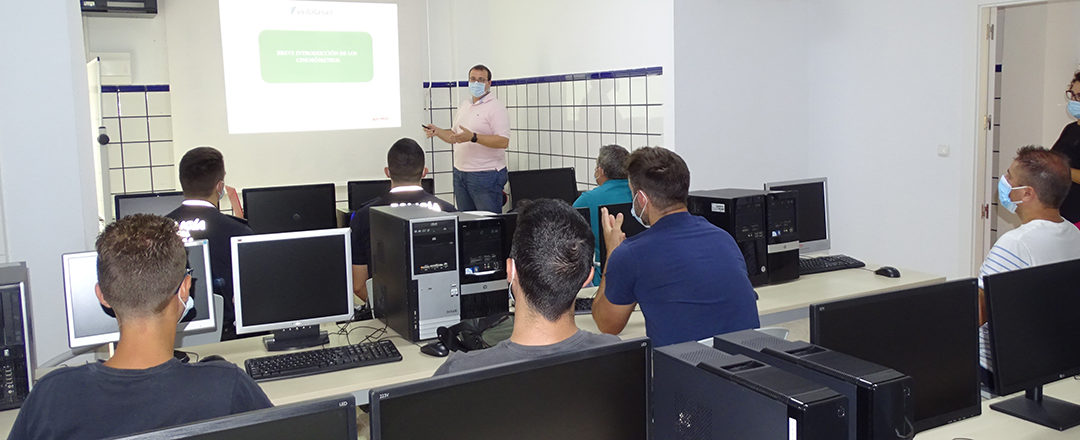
pixel 583 306
pixel 827 263
pixel 325 360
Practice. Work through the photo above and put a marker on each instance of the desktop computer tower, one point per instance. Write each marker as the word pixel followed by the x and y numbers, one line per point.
pixel 414 263
pixel 703 393
pixel 16 352
pixel 880 400
pixel 741 213
pixel 781 226
pixel 482 265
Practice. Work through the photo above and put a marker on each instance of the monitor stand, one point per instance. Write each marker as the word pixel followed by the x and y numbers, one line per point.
pixel 1033 406
pixel 296 337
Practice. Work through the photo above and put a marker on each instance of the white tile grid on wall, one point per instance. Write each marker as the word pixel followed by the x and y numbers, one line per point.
pixel 140 150
pixel 559 123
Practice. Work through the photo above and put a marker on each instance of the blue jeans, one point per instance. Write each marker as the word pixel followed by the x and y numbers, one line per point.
pixel 479 190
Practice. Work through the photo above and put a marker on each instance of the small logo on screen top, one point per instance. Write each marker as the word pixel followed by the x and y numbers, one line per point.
pixel 300 10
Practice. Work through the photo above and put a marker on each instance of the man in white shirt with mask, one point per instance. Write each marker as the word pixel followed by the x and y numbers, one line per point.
pixel 1033 187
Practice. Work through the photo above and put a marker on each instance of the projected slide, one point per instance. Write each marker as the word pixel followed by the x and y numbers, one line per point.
pixel 309 65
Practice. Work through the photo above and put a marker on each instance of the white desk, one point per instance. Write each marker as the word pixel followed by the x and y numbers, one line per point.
pixel 777 304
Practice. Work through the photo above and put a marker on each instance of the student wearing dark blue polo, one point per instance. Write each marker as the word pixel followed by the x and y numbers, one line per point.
pixel 688 276
pixel 610 174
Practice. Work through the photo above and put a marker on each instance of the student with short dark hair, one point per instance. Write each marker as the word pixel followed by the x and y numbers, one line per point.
pixel 688 275
pixel 202 176
pixel 142 276
pixel 405 168
pixel 550 260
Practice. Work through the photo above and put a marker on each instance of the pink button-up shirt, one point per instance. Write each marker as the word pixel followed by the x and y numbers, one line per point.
pixel 486 116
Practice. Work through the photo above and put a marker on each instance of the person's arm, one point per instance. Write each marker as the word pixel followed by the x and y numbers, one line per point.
pixel 609 317
pixel 445 135
pixel 1075 174
pixel 487 140
pixel 359 281
pixel 982 308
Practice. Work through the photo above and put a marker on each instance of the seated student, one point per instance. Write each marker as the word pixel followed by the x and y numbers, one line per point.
pixel 1034 187
pixel 550 260
pixel 202 176
pixel 405 168
pixel 610 174
pixel 141 276
pixel 688 275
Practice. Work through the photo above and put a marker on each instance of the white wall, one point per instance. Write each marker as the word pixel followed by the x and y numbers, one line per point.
pixel 890 83
pixel 141 36
pixel 198 106
pixel 522 38
pixel 1062 60
pixel 741 92
pixel 46 166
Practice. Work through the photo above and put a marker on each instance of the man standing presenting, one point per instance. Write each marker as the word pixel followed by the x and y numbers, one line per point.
pixel 480 135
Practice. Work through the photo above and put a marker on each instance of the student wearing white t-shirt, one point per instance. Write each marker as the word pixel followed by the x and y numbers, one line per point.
pixel 1033 187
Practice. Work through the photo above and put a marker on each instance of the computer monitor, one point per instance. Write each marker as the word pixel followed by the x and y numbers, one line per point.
pixel 291 282
pixel 290 208
pixel 812 211
pixel 363 191
pixel 630 227
pixel 1033 336
pixel 596 393
pixel 552 183
pixel 150 203
pixel 89 323
pixel 332 418
pixel 928 333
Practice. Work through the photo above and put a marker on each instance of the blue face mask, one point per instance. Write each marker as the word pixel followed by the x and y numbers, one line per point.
pixel 634 212
pixel 477 88
pixel 1004 189
pixel 1074 108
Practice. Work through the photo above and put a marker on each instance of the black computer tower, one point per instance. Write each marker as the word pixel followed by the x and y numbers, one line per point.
pixel 482 265
pixel 414 264
pixel 781 226
pixel 701 393
pixel 741 213
pixel 16 350
pixel 880 398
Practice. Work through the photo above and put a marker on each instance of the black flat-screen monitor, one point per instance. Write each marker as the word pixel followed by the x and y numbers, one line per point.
pixel 929 333
pixel 291 280
pixel 596 393
pixel 552 183
pixel 332 418
pixel 1033 336
pixel 630 227
pixel 363 191
pixel 290 208
pixel 812 213
pixel 150 203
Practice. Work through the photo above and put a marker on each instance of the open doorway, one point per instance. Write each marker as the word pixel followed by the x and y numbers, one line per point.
pixel 1028 59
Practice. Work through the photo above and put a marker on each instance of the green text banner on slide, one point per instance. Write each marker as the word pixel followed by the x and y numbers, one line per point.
pixel 309 65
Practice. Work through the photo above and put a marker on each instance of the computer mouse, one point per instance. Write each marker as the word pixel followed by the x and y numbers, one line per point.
pixel 888 271
pixel 211 358
pixel 436 349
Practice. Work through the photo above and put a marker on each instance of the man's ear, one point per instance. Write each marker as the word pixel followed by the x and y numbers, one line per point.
pixel 511 270
pixel 185 288
pixel 425 173
pixel 386 170
pixel 588 281
pixel 100 296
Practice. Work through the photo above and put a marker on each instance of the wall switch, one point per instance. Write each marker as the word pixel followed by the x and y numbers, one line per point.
pixel 943 150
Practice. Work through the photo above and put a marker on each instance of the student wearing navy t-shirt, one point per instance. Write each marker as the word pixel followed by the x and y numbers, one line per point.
pixel 141 275
pixel 405 168
pixel 688 276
